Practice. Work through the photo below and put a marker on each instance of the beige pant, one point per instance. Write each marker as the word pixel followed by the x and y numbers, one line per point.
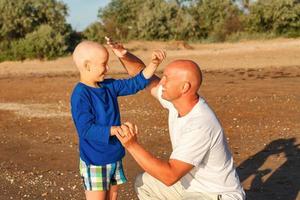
pixel 149 188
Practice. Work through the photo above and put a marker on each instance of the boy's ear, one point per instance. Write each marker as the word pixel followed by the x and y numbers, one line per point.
pixel 87 65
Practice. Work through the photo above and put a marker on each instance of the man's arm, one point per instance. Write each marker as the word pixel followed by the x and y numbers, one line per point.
pixel 132 64
pixel 168 172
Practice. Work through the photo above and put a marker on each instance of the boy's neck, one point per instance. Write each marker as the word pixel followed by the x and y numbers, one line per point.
pixel 89 83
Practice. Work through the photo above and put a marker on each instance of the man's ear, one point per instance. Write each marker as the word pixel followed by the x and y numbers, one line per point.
pixel 186 87
pixel 87 65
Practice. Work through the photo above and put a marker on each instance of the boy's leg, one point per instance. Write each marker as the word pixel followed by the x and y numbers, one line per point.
pixel 95 195
pixel 118 178
pixel 149 188
pixel 95 181
pixel 112 194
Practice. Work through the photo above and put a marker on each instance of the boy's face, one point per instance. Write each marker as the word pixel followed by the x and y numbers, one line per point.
pixel 98 68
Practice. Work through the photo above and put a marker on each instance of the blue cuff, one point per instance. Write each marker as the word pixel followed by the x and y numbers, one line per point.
pixel 141 75
pixel 105 134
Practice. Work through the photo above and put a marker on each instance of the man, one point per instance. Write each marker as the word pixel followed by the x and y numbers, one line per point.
pixel 201 165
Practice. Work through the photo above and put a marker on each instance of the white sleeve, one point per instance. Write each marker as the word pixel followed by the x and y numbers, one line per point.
pixel 163 102
pixel 192 146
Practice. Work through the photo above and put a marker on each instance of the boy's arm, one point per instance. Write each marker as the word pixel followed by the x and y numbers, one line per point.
pixel 86 126
pixel 157 57
pixel 132 64
pixel 140 81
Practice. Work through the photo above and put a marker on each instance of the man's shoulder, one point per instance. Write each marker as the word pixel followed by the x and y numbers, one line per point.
pixel 202 118
pixel 204 112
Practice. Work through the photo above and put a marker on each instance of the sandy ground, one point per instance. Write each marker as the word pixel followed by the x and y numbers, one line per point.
pixel 248 54
pixel 252 86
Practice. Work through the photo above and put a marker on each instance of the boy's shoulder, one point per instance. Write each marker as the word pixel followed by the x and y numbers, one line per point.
pixel 79 91
pixel 79 88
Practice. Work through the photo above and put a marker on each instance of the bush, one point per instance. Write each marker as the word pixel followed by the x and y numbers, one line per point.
pixel 274 16
pixel 164 20
pixel 95 32
pixel 44 43
pixel 34 29
pixel 213 20
pixel 239 36
pixel 217 18
pixel 154 19
pixel 19 18
pixel 119 18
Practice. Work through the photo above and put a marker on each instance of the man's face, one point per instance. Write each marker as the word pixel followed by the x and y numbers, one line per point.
pixel 171 84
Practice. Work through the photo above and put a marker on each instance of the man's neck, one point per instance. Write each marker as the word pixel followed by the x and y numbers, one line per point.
pixel 185 105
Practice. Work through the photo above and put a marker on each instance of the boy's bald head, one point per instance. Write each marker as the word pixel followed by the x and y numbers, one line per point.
pixel 88 51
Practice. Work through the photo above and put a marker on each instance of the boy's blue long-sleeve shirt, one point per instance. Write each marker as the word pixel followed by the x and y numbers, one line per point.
pixel 94 111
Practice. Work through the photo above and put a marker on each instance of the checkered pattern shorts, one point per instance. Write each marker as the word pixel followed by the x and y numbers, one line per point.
pixel 99 178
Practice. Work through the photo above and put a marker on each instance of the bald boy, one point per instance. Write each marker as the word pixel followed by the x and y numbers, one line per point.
pixel 96 116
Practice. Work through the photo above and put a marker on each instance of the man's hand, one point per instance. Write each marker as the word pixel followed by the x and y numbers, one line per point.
pixel 158 56
pixel 116 47
pixel 128 137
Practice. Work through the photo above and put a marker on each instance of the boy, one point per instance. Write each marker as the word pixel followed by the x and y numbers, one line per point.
pixel 96 115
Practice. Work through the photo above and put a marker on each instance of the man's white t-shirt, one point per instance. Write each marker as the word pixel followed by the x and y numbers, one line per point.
pixel 198 139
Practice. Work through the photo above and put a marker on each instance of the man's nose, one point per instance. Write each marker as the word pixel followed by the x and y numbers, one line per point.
pixel 106 68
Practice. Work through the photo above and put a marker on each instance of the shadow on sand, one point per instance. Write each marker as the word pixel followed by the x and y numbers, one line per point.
pixel 284 182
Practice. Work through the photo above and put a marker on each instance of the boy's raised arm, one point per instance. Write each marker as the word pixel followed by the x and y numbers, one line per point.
pixel 132 63
pixel 157 57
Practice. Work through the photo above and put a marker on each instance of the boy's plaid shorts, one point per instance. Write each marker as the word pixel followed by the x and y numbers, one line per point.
pixel 99 178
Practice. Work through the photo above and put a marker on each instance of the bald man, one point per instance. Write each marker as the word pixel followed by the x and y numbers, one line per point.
pixel 201 165
pixel 96 116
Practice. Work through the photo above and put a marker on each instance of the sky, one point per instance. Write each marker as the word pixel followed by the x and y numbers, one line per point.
pixel 83 12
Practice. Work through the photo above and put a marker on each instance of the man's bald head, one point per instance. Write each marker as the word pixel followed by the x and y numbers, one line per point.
pixel 188 71
pixel 88 51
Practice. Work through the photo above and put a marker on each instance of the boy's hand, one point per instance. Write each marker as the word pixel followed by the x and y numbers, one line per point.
pixel 116 47
pixel 158 56
pixel 116 130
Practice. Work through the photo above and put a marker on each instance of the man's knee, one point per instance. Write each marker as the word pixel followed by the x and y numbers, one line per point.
pixel 143 184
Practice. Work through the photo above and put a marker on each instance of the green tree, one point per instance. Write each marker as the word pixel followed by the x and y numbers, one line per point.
pixel 155 18
pixel 44 43
pixel 33 29
pixel 24 16
pixel 281 17
pixel 164 20
pixel 217 18
pixel 95 32
pixel 119 18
